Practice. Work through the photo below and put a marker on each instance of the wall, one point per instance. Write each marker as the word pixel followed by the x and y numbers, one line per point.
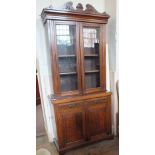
pixel 43 67
pixel 110 7
pixel 112 35
pixel 43 63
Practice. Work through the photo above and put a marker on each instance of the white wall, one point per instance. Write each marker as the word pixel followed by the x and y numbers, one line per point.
pixel 43 66
pixel 111 9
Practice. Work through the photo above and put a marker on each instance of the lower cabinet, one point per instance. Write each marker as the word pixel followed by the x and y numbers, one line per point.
pixel 83 122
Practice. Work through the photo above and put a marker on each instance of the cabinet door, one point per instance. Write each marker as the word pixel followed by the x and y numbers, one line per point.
pixel 99 119
pixel 93 57
pixel 67 58
pixel 71 124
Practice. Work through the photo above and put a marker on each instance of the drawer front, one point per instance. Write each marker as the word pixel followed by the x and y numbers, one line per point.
pixel 70 106
pixel 97 101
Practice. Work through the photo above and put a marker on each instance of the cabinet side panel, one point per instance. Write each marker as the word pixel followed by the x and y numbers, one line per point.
pixel 53 56
pixel 109 113
pixel 54 122
pixel 103 56
pixel 48 49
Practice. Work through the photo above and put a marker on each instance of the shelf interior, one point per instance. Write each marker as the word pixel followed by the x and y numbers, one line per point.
pixel 91 55
pixel 68 55
pixel 92 71
pixel 68 73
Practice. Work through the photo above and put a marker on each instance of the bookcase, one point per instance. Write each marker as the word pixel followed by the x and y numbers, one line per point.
pixel 76 40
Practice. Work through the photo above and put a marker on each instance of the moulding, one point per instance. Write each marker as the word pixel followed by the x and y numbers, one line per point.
pixel 68 6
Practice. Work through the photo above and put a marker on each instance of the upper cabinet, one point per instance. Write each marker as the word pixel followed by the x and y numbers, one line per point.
pixel 77 44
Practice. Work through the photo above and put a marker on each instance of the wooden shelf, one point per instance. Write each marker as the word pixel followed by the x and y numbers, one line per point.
pixel 92 71
pixel 91 55
pixel 68 73
pixel 64 56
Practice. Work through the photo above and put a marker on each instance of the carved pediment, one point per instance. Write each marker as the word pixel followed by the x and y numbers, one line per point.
pixel 68 6
pixel 79 7
pixel 90 9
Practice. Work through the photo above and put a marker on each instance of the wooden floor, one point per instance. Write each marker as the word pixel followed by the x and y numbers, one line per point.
pixel 109 147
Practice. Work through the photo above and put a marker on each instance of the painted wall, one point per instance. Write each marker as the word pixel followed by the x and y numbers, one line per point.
pixel 43 67
pixel 110 7
pixel 43 62
pixel 112 35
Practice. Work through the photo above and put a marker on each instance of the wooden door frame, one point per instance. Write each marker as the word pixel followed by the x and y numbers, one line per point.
pixel 55 61
pixel 102 57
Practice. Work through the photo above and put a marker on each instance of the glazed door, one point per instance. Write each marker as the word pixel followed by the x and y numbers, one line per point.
pixel 67 47
pixel 93 57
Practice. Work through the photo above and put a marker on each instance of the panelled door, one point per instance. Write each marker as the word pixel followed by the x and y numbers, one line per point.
pixel 71 123
pixel 98 118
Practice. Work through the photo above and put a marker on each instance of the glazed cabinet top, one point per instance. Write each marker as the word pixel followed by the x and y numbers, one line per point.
pixel 77 45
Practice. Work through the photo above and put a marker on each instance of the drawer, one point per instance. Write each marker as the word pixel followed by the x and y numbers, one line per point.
pixel 97 101
pixel 70 106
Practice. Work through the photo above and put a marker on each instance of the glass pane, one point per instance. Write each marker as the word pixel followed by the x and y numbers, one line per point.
pixel 66 47
pixel 91 57
pixel 68 82
pixel 92 80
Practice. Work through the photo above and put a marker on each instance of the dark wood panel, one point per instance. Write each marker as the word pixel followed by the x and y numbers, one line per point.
pixel 71 123
pixel 97 116
pixel 97 120
pixel 73 128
